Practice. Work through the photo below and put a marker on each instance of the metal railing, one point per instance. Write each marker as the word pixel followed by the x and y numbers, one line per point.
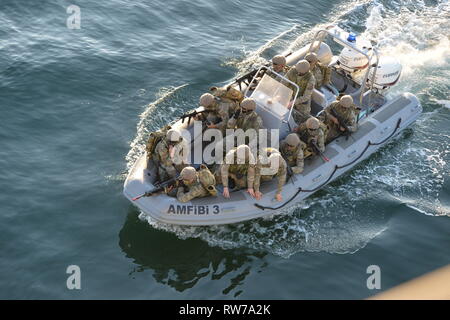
pixel 320 36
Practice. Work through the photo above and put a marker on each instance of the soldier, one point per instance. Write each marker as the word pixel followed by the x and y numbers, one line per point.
pixel 306 82
pixel 340 117
pixel 292 151
pixel 246 118
pixel 191 187
pixel 228 94
pixel 321 73
pixel 239 165
pixel 279 65
pixel 270 164
pixel 312 134
pixel 170 154
pixel 218 112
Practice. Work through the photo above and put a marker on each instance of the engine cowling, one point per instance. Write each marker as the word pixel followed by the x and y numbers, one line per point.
pixel 388 73
pixel 350 60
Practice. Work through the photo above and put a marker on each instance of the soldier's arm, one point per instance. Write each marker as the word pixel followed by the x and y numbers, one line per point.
pixel 163 153
pixel 181 153
pixel 224 174
pixel 308 91
pixel 326 71
pixel 291 77
pixel 222 124
pixel 321 142
pixel 352 123
pixel 257 180
pixel 231 123
pixel 250 176
pixel 259 124
pixel 282 172
pixel 328 112
pixel 194 192
pixel 300 161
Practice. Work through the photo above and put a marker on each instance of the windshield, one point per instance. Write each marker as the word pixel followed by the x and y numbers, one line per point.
pixel 273 95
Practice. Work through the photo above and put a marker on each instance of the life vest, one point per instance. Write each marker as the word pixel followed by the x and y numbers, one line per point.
pixel 154 139
pixel 301 81
pixel 207 180
pixel 230 94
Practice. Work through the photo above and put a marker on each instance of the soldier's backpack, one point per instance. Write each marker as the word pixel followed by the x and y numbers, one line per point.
pixel 154 139
pixel 229 93
pixel 207 180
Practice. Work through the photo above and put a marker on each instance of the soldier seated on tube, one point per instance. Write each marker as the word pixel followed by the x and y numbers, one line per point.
pixel 313 134
pixel 292 150
pixel 270 164
pixel 340 118
pixel 170 155
pixel 239 167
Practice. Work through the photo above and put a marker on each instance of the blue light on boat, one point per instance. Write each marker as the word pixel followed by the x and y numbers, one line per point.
pixel 351 37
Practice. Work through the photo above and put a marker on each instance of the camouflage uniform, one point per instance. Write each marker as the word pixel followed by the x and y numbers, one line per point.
pixel 281 173
pixel 228 94
pixel 219 113
pixel 316 136
pixel 322 74
pixel 242 174
pixel 168 166
pixel 294 157
pixel 348 115
pixel 188 191
pixel 246 121
pixel 302 105
pixel 282 73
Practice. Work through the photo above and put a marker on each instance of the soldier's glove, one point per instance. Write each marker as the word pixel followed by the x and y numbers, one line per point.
pixel 237 113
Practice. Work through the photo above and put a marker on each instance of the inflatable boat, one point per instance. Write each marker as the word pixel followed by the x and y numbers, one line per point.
pixel 357 70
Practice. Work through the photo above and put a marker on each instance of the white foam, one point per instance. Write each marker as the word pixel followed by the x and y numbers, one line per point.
pixel 415 34
pixel 137 145
pixel 445 103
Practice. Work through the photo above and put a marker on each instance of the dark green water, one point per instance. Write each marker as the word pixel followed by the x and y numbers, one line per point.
pixel 76 106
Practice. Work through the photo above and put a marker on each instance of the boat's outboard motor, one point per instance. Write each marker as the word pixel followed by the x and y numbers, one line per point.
pixel 388 73
pixel 352 61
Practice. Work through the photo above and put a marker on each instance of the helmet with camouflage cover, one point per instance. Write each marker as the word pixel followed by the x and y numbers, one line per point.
pixel 312 123
pixel 249 104
pixel 207 100
pixel 302 66
pixel 240 155
pixel 188 173
pixel 311 58
pixel 274 160
pixel 173 135
pixel 279 59
pixel 346 101
pixel 293 140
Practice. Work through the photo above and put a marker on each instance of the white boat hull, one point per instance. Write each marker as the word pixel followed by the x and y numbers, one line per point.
pixel 374 131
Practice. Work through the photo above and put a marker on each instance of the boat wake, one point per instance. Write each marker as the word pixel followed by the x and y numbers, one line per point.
pixel 146 123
